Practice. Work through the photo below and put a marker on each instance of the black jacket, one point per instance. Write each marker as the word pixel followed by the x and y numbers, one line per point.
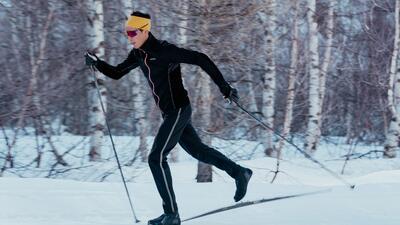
pixel 159 61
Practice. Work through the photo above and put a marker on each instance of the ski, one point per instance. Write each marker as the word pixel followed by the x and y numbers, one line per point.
pixel 254 202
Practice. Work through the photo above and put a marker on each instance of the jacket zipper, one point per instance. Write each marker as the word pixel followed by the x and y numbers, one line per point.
pixel 170 90
pixel 149 75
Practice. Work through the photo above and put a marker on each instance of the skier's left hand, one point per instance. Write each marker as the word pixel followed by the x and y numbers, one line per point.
pixel 91 59
pixel 232 95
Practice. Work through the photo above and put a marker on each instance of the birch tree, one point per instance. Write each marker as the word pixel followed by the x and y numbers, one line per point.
pixel 269 18
pixel 204 170
pixel 291 78
pixel 15 39
pixel 392 137
pixel 325 64
pixel 314 79
pixel 95 38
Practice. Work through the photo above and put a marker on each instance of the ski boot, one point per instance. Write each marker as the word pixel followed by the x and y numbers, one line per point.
pixel 242 180
pixel 156 221
pixel 166 219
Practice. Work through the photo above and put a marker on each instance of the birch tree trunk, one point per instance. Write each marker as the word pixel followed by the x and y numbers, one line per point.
pixel 269 19
pixel 15 39
pixel 314 81
pixel 392 137
pixel 252 88
pixel 36 62
pixel 350 106
pixel 95 38
pixel 325 63
pixel 204 171
pixel 291 79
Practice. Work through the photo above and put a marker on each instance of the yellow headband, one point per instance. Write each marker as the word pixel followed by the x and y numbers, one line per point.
pixel 138 23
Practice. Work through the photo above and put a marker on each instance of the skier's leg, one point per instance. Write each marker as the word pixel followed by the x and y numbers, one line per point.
pixel 193 145
pixel 166 138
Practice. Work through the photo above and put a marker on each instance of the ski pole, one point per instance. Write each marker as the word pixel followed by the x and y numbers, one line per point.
pixel 113 145
pixel 307 155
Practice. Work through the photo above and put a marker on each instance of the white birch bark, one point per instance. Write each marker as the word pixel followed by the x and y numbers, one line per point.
pixel 392 137
pixel 393 64
pixel 36 61
pixel 252 84
pixel 291 79
pixel 204 171
pixel 313 68
pixel 95 35
pixel 251 95
pixel 183 24
pixel 350 107
pixel 325 63
pixel 269 77
pixel 15 39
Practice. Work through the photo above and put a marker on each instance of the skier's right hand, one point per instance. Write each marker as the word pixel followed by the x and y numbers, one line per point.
pixel 91 59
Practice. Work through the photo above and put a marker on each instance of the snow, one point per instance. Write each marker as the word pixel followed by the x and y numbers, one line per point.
pixel 77 197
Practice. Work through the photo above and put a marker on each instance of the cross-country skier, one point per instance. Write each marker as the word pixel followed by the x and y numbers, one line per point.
pixel 160 63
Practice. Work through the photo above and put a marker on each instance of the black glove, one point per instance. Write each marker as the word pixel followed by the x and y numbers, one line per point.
pixel 231 95
pixel 91 59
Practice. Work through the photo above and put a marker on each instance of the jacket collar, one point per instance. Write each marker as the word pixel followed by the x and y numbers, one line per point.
pixel 150 44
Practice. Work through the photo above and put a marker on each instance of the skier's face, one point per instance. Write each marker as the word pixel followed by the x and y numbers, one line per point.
pixel 136 37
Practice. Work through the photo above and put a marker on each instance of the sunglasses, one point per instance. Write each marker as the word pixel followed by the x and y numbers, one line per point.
pixel 132 33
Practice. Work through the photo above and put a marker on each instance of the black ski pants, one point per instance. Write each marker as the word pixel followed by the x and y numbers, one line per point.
pixel 175 128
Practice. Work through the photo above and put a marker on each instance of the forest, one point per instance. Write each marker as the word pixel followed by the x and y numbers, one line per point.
pixel 309 69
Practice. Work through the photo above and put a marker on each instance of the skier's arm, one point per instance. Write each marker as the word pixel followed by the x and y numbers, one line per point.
pixel 181 55
pixel 116 72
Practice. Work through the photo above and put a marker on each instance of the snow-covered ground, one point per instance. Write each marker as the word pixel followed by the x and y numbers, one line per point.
pixel 75 199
